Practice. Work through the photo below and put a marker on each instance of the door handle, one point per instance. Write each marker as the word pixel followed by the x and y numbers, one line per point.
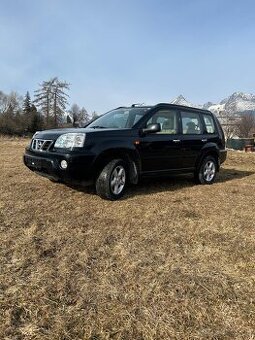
pixel 204 140
pixel 176 140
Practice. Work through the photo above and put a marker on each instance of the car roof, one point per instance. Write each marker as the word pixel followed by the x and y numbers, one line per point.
pixel 183 107
pixel 176 106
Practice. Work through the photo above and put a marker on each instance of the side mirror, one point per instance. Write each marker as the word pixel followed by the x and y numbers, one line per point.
pixel 152 128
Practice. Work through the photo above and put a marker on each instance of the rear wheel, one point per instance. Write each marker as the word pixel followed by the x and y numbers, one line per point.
pixel 112 180
pixel 206 172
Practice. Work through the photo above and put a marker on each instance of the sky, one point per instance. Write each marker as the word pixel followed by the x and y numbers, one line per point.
pixel 117 53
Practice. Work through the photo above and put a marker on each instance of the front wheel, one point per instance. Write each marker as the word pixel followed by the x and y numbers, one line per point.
pixel 55 180
pixel 206 172
pixel 112 180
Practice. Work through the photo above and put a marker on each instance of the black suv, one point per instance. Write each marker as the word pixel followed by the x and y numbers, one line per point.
pixel 128 143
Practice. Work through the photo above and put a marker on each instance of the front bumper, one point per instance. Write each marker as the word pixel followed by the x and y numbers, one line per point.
pixel 47 164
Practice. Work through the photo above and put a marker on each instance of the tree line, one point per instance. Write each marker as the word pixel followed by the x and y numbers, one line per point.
pixel 48 109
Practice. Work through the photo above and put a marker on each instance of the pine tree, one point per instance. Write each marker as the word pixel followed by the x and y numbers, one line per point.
pixel 36 122
pixel 59 100
pixel 27 104
pixel 51 98
pixel 44 98
pixel 20 125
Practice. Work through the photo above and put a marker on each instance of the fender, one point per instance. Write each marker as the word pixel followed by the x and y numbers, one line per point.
pixel 209 149
pixel 119 149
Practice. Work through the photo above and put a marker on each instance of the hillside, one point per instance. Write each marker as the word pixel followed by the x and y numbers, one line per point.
pixel 236 103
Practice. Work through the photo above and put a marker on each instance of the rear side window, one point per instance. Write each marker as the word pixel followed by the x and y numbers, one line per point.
pixel 191 123
pixel 209 123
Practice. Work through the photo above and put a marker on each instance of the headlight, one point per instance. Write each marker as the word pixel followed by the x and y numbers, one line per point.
pixel 34 135
pixel 70 140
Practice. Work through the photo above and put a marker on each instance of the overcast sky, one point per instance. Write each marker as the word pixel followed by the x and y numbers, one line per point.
pixel 129 51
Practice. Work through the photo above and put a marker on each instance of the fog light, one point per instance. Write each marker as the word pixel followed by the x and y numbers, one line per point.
pixel 63 164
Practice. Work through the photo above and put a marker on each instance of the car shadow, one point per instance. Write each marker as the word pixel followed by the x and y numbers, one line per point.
pixel 172 183
pixel 229 174
pixel 168 183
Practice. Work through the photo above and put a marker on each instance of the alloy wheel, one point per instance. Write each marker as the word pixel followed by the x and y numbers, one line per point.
pixel 118 180
pixel 209 171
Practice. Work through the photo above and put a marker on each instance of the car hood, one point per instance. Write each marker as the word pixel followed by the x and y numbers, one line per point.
pixel 53 134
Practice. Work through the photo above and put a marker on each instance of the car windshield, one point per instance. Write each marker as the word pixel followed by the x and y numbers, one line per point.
pixel 122 118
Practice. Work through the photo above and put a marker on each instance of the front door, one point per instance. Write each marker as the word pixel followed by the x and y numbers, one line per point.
pixel 161 151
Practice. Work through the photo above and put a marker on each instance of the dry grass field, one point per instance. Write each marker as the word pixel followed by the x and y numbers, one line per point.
pixel 169 261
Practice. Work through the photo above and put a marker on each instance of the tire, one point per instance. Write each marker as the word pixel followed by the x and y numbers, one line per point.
pixel 206 171
pixel 112 181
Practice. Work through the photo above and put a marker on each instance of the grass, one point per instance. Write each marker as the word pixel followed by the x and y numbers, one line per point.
pixel 170 261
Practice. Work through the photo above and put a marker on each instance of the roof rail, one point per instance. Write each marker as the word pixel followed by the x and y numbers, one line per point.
pixel 137 104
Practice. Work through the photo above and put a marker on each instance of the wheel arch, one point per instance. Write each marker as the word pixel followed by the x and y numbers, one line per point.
pixel 210 151
pixel 131 157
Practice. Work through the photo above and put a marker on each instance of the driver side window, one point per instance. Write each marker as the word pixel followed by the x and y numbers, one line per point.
pixel 167 120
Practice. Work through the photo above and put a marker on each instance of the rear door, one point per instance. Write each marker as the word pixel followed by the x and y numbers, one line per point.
pixel 212 134
pixel 161 151
pixel 193 137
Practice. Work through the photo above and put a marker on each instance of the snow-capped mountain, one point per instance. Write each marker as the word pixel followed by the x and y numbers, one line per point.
pixel 216 108
pixel 238 102
pixel 180 100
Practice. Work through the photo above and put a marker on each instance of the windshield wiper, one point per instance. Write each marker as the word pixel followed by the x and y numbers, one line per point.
pixel 97 127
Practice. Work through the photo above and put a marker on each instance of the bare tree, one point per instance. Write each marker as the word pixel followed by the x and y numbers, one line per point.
pixel 94 115
pixel 84 116
pixel 246 125
pixel 15 101
pixel 74 113
pixel 79 115
pixel 3 102
pixel 11 121
pixel 74 110
pixel 229 121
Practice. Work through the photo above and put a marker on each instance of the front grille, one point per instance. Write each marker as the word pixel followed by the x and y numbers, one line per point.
pixel 41 144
